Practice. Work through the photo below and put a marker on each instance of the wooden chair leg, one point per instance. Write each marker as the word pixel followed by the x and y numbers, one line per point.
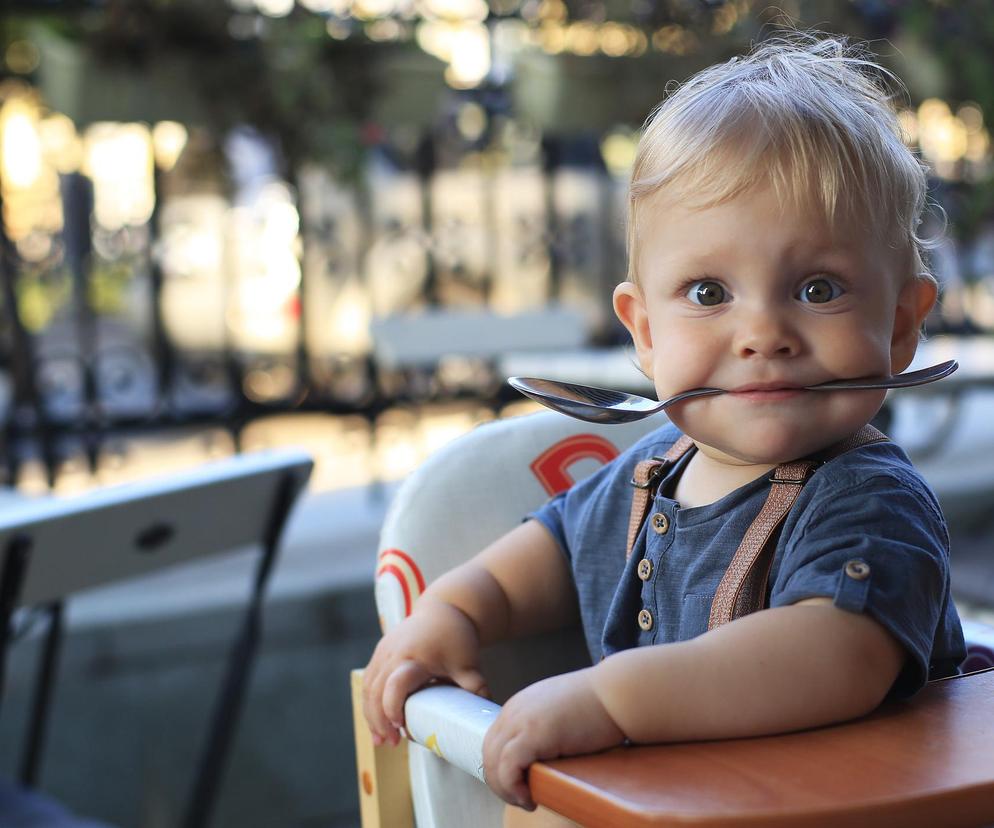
pixel 384 784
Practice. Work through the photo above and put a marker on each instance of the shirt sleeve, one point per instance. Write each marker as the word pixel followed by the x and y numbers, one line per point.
pixel 551 516
pixel 879 547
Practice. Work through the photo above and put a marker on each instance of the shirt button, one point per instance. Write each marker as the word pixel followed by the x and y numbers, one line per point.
pixel 660 523
pixel 645 620
pixel 858 570
pixel 645 569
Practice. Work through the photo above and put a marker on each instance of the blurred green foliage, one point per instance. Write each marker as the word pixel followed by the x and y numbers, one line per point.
pixel 959 37
pixel 221 63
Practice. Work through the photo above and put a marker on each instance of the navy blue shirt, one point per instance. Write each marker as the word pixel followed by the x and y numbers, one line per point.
pixel 865 531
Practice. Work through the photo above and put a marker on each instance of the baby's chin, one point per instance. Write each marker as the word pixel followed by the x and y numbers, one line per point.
pixel 758 449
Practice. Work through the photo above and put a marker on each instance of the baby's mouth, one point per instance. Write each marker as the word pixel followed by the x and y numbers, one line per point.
pixel 767 386
pixel 767 392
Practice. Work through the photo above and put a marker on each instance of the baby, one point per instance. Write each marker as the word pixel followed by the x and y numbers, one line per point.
pixel 772 245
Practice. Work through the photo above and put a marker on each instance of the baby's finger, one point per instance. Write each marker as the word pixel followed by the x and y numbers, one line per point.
pixel 404 680
pixel 513 789
pixel 516 790
pixel 502 771
pixel 372 708
pixel 512 773
pixel 522 796
pixel 471 680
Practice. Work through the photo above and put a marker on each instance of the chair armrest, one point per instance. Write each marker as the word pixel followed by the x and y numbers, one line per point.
pixel 451 723
pixel 924 761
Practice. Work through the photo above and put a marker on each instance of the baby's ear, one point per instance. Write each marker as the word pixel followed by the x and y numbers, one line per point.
pixel 914 302
pixel 629 305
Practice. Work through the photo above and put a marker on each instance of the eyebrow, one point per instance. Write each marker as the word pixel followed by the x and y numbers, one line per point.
pixel 839 261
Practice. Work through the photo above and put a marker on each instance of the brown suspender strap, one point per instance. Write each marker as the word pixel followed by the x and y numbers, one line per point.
pixel 645 479
pixel 743 587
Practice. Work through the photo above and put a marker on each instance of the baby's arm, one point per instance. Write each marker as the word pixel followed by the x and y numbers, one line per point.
pixel 518 585
pixel 773 671
pixel 781 669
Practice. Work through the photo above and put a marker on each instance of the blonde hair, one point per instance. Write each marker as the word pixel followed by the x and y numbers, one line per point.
pixel 808 115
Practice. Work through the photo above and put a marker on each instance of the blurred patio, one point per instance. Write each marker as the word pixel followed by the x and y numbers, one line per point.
pixel 231 225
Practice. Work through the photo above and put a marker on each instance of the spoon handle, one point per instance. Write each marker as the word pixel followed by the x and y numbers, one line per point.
pixel 906 380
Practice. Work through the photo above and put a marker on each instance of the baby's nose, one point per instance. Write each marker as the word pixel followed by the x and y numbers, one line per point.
pixel 767 333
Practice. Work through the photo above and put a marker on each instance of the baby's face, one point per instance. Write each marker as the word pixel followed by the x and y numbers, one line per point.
pixel 762 301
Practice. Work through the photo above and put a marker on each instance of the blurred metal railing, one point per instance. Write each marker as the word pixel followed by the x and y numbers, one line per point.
pixel 86 376
pixel 421 233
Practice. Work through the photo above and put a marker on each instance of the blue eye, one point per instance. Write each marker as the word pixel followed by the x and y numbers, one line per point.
pixel 706 293
pixel 819 291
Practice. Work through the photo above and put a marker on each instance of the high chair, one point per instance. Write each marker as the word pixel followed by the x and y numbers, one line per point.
pixel 925 762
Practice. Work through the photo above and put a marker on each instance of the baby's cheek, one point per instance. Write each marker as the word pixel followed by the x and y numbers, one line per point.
pixel 685 411
pixel 681 358
pixel 859 354
pixel 856 406
pixel 845 412
pixel 678 374
pixel 699 418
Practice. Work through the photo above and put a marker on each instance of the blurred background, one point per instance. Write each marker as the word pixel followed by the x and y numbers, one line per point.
pixel 341 224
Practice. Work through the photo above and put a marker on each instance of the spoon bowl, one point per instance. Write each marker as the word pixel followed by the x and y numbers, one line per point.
pixel 603 405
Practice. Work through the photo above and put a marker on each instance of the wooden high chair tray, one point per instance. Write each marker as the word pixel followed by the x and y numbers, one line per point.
pixel 926 762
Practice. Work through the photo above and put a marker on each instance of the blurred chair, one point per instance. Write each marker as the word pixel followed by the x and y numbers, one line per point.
pixel 53 547
pixel 461 499
pixel 24 808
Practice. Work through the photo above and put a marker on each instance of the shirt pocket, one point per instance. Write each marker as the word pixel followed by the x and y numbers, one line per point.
pixel 694 615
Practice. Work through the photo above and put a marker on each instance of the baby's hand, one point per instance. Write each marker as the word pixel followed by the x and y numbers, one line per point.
pixel 437 641
pixel 560 716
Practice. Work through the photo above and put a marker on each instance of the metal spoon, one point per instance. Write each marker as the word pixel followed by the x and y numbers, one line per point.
pixel 602 405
